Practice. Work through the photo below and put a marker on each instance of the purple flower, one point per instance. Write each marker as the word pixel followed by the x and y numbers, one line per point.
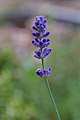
pixel 42 53
pixel 40 27
pixel 36 42
pixel 44 43
pixel 45 34
pixel 40 72
pixel 35 28
pixel 36 34
pixel 41 42
pixel 48 71
pixel 43 72
pixel 40 24
pixel 38 54
pixel 46 52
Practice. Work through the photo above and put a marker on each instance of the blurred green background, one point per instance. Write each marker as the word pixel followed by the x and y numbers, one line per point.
pixel 23 95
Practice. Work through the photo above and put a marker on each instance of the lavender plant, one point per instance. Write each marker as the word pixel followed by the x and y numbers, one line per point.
pixel 42 52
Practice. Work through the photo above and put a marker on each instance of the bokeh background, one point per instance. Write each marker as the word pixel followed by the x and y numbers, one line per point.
pixel 23 95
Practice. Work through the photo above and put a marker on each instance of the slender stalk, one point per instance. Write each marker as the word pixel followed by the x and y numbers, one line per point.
pixel 42 63
pixel 52 99
pixel 50 94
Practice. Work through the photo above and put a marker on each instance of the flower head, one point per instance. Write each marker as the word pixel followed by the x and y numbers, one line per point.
pixel 40 54
pixel 40 24
pixel 42 42
pixel 43 72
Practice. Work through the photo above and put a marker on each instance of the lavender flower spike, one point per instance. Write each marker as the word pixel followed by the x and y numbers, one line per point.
pixel 41 42
pixel 42 52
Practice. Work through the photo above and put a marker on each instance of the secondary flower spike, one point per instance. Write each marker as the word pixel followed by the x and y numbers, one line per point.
pixel 42 42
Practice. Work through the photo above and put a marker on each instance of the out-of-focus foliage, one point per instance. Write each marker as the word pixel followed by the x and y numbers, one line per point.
pixel 24 96
pixel 14 104
pixel 21 94
pixel 66 76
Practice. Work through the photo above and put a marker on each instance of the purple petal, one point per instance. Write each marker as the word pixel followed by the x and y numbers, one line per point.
pixel 36 23
pixel 44 21
pixel 37 54
pixel 40 72
pixel 46 52
pixel 42 28
pixel 35 42
pixel 48 70
pixel 41 43
pixel 41 18
pixel 36 34
pixel 44 72
pixel 45 34
pixel 34 27
pixel 45 42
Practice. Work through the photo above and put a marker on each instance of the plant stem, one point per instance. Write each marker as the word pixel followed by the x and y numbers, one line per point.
pixel 50 94
pixel 52 98
pixel 42 63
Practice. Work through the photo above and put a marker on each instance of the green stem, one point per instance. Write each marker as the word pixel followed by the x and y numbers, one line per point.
pixel 42 63
pixel 52 99
pixel 50 94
